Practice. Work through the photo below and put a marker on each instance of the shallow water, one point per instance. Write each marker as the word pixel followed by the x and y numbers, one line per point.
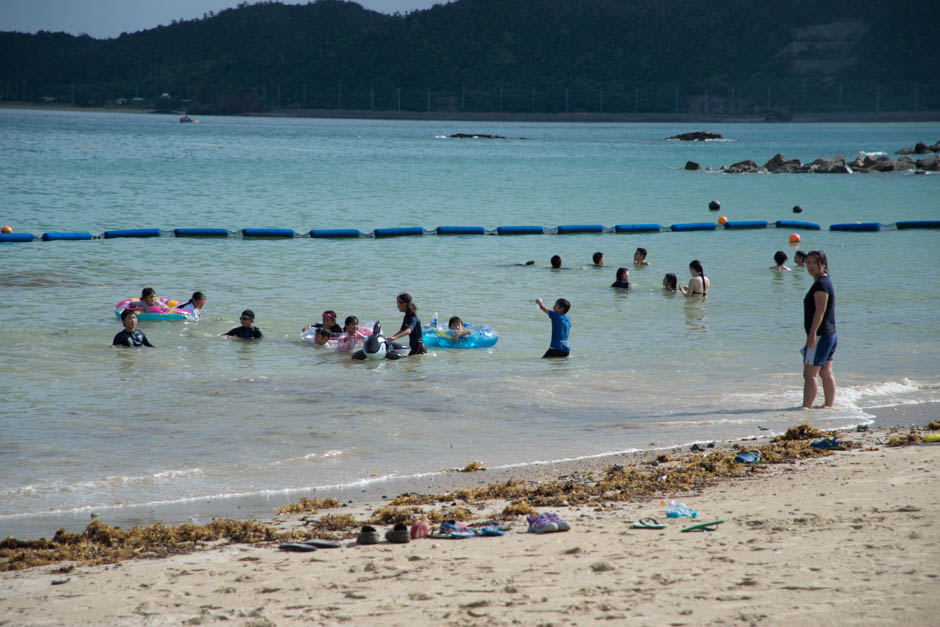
pixel 199 422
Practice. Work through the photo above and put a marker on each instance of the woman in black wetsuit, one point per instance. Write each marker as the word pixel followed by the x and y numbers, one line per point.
pixel 410 325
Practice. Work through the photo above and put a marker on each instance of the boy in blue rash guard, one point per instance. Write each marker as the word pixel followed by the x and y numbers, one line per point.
pixel 561 324
pixel 130 336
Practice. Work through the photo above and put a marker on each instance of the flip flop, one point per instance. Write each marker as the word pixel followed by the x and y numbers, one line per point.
pixel 648 523
pixel 322 544
pixel 452 535
pixel 488 530
pixel 705 526
pixel 933 437
pixel 829 444
pixel 748 457
pixel 298 548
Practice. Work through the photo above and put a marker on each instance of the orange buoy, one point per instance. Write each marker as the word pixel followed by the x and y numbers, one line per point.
pixel 6 229
pixel 794 238
pixel 722 220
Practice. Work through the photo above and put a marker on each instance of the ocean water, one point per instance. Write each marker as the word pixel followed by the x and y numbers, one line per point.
pixel 198 424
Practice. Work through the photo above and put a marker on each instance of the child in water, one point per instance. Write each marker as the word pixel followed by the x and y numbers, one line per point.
pixel 321 336
pixel 561 324
pixel 130 336
pixel 623 279
pixel 670 282
pixel 148 303
pixel 456 329
pixel 779 258
pixel 194 304
pixel 346 342
pixel 247 330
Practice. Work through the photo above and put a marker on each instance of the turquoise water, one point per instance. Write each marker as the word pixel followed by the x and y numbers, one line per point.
pixel 199 424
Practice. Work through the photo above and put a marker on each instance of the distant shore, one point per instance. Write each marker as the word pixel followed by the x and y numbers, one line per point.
pixel 478 116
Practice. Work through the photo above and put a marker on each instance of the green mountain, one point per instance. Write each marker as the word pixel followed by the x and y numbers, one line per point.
pixel 503 55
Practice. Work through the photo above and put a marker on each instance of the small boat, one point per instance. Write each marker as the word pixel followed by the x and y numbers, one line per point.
pixel 188 120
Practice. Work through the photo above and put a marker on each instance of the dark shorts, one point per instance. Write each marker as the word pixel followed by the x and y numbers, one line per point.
pixel 823 352
pixel 554 352
pixel 419 350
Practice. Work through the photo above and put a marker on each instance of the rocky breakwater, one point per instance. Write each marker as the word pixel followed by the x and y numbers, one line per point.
pixel 920 148
pixel 696 136
pixel 863 163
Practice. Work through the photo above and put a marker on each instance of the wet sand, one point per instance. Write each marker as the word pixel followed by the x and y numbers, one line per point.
pixel 845 538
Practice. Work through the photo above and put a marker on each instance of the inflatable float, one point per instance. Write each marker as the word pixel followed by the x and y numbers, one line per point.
pixel 310 335
pixel 163 309
pixel 481 336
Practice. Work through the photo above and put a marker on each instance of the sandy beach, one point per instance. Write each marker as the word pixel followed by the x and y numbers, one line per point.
pixel 846 537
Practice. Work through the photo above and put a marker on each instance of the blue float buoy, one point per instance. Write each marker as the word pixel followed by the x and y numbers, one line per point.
pixel 637 228
pixel 856 226
pixel 200 232
pixel 564 229
pixel 331 233
pixel 745 224
pixel 520 230
pixel 53 237
pixel 796 224
pixel 16 237
pixel 695 226
pixel 131 233
pixel 399 231
pixel 286 233
pixel 461 230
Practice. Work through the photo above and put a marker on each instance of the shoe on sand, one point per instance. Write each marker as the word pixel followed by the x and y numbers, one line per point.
pixel 398 534
pixel 419 529
pixel 563 525
pixel 367 535
pixel 540 524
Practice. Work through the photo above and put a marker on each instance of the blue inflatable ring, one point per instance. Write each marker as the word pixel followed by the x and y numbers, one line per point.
pixel 481 336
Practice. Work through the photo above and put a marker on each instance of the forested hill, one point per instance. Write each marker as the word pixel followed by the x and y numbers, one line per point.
pixel 503 55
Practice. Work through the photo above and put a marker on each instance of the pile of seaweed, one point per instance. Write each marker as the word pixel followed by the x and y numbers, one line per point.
pixel 657 477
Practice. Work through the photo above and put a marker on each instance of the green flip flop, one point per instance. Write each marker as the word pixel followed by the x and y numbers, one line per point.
pixel 705 526
pixel 322 544
pixel 648 523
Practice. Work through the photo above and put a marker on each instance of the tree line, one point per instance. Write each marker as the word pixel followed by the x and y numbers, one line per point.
pixel 502 55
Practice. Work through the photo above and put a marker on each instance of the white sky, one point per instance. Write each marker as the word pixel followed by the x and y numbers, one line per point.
pixel 109 18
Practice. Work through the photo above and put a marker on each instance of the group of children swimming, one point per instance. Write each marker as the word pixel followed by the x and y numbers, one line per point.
pixel 346 337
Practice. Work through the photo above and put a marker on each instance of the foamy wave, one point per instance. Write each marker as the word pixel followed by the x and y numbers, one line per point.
pixel 887 388
pixel 98 484
pixel 309 457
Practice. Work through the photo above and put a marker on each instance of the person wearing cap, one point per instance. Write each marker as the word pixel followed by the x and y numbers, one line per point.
pixel 247 330
pixel 329 323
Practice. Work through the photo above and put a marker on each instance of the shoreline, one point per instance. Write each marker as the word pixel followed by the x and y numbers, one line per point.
pixel 838 538
pixel 586 117
pixel 260 506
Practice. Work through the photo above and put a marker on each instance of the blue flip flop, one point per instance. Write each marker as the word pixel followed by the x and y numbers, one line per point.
pixel 828 444
pixel 748 457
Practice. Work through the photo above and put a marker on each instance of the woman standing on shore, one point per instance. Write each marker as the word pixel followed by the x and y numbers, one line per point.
pixel 819 320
